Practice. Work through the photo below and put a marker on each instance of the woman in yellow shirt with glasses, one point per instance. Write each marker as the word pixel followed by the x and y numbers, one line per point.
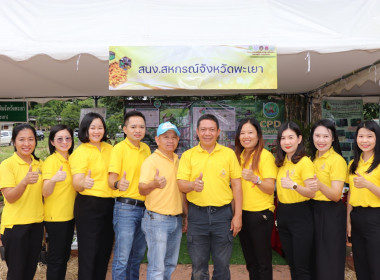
pixel 59 196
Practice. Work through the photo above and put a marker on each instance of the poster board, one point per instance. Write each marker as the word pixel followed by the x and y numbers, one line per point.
pixel 185 114
pixel 347 115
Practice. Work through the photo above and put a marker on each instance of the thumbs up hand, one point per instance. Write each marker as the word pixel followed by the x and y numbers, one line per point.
pixel 160 181
pixel 123 183
pixel 248 175
pixel 286 182
pixel 198 183
pixel 59 176
pixel 312 183
pixel 31 177
pixel 359 181
pixel 88 181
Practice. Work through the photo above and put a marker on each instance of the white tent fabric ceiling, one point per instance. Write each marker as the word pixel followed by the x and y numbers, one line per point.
pixel 52 49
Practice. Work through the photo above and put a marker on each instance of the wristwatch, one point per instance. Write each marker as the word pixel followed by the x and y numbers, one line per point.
pixel 295 186
pixel 258 182
pixel 115 185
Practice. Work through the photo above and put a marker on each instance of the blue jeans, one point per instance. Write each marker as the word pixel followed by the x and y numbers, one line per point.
pixel 209 232
pixel 130 242
pixel 163 235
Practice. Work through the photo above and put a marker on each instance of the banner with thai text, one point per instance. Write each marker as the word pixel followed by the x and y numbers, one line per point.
pixel 192 67
pixel 13 111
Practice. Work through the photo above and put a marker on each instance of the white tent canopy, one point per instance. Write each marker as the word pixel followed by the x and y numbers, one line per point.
pixel 60 48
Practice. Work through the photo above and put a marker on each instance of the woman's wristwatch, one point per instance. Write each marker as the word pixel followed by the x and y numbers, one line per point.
pixel 258 182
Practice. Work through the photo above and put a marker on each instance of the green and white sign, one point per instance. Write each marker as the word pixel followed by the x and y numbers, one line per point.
pixel 13 111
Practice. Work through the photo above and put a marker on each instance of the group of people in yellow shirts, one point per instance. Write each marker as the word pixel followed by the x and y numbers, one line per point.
pixel 126 198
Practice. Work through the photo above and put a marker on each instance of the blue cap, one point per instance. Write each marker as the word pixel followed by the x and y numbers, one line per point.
pixel 162 128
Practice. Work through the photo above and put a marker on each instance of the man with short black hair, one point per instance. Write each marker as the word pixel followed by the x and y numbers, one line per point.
pixel 205 173
pixel 124 173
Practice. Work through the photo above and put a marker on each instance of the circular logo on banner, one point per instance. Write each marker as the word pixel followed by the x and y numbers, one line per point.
pixel 271 110
pixel 157 104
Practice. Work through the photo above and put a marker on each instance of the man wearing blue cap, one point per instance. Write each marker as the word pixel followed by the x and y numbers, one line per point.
pixel 162 221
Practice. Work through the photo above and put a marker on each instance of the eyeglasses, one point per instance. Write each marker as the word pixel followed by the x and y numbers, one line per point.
pixel 63 139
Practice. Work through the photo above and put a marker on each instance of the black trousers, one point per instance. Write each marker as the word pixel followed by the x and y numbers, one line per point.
pixel 60 237
pixel 93 218
pixel 296 229
pixel 365 237
pixel 255 239
pixel 209 232
pixel 329 239
pixel 22 245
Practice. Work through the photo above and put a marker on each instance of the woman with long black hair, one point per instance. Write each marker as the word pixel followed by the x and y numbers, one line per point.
pixel 259 173
pixel 21 220
pixel 295 179
pixel 363 211
pixel 328 209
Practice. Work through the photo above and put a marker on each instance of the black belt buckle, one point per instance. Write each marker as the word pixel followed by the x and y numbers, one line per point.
pixel 178 215
pixel 131 201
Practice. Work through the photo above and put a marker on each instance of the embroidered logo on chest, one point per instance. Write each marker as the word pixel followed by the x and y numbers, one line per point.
pixel 223 173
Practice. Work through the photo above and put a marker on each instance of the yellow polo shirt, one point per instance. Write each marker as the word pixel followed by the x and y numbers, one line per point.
pixel 253 198
pixel 88 157
pixel 127 157
pixel 59 206
pixel 299 172
pixel 218 168
pixel 331 166
pixel 364 197
pixel 28 209
pixel 168 200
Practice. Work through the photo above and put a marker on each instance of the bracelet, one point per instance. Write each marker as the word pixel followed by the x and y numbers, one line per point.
pixel 258 182
pixel 115 185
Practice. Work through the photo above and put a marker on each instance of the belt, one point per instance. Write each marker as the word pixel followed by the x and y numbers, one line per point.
pixel 131 201
pixel 211 208
pixel 150 212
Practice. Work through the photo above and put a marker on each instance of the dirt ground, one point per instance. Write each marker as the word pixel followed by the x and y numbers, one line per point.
pixel 238 272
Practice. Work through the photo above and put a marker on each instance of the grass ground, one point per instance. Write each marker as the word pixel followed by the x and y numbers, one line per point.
pixel 236 258
pixel 42 151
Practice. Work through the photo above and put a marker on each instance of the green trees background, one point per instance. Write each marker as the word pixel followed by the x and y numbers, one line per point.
pixel 371 111
pixel 68 112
